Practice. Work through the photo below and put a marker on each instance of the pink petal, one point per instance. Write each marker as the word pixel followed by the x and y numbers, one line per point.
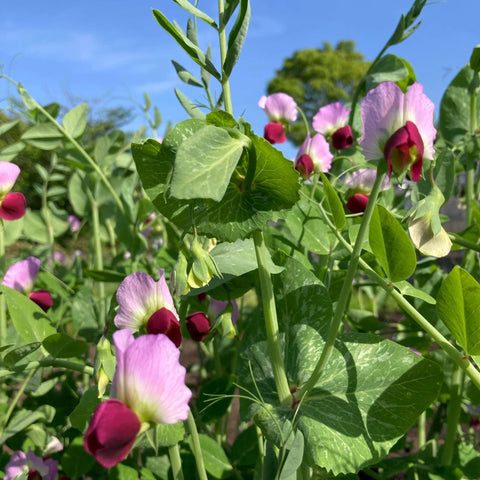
pixel 330 118
pixel 318 149
pixel 123 339
pixel 357 203
pixel 22 275
pixel 164 297
pixel 164 321
pixel 274 133
pixel 304 165
pixel 16 465
pixel 8 176
pixel 42 298
pixel 151 381
pixel 198 326
pixel 382 115
pixel 363 180
pixel 13 206
pixel 419 109
pixel 111 433
pixel 279 107
pixel 137 301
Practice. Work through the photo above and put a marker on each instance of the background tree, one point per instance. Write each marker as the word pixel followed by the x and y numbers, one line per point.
pixel 315 77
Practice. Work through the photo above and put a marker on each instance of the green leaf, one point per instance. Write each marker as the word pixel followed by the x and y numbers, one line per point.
pixel 205 162
pixel 104 275
pixel 190 48
pixel 13 230
pixel 77 194
pixel 75 121
pixel 408 289
pixel 5 127
pixel 215 458
pixel 28 101
pixel 454 118
pixel 336 207
pixel 237 37
pixel 294 458
pixel 60 345
pixel 458 305
pixel 35 227
pixel 192 109
pixel 122 472
pixel 170 434
pixel 82 413
pixel 389 68
pixel 391 245
pixel 17 354
pixel 245 449
pixel 29 320
pixel 186 5
pixel 8 153
pixel 75 461
pixel 186 76
pixel 45 136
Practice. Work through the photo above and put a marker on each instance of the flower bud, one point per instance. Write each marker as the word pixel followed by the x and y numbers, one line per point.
pixel 111 433
pixel 42 298
pixel 203 267
pixel 357 203
pixel 198 326
pixel 179 284
pixel 342 138
pixel 164 321
pixel 13 206
pixel 104 365
pixel 274 133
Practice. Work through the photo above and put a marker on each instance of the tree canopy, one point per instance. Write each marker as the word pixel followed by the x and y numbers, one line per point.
pixel 315 77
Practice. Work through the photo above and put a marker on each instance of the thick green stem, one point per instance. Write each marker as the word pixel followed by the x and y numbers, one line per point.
pixel 305 121
pixel 453 415
pixel 3 312
pixel 441 341
pixel 197 449
pixel 175 462
pixel 227 98
pixel 346 287
pixel 55 363
pixel 464 243
pixel 271 322
pixel 470 180
pixel 422 429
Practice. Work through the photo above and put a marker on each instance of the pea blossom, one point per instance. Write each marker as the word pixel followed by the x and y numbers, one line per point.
pixel 148 387
pixel 21 277
pixel 280 109
pixel 144 303
pixel 313 156
pixel 12 204
pixel 399 127
pixel 35 467
pixel 331 121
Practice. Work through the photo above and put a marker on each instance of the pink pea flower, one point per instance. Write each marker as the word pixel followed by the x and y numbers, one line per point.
pixel 198 326
pixel 314 156
pixel 74 223
pixel 331 121
pixel 280 109
pixel 12 204
pixel 399 127
pixel 146 303
pixel 148 387
pixel 29 463
pixel 21 277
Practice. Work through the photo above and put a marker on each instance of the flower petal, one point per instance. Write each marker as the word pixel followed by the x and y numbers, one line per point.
pixel 42 298
pixel 8 175
pixel 362 180
pixel 164 297
pixel 151 381
pixel 137 300
pixel 279 107
pixel 13 206
pixel 22 275
pixel 382 115
pixel 16 465
pixel 274 133
pixel 318 149
pixel 330 118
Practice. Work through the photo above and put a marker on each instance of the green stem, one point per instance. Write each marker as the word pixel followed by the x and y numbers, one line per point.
pixel 464 243
pixel 227 98
pixel 56 363
pixel 3 312
pixel 271 322
pixel 175 462
pixel 305 121
pixel 453 415
pixel 197 449
pixel 12 406
pixel 470 180
pixel 346 287
pixel 422 431
pixel 441 341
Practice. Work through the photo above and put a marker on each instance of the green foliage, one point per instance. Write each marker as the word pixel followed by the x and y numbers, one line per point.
pixel 315 77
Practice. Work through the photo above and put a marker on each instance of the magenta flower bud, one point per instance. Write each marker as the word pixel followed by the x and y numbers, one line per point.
pixel 342 138
pixel 198 326
pixel 357 203
pixel 403 150
pixel 34 475
pixel 13 206
pixel 111 433
pixel 274 133
pixel 42 298
pixel 304 165
pixel 164 321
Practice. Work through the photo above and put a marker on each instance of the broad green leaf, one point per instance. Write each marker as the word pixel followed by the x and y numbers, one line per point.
pixel 185 75
pixel 245 449
pixel 205 162
pixel 391 245
pixel 60 345
pixel 193 51
pixel 237 36
pixel 389 68
pixel 75 461
pixel 454 119
pixel 294 458
pixel 408 289
pixel 28 101
pixel 230 6
pixel 192 34
pixel 336 207
pixel 83 411
pixel 77 194
pixel 17 354
pixel 8 153
pixel 29 320
pixel 192 109
pixel 13 230
pixel 75 120
pixel 122 472
pixel 45 136
pixel 35 227
pixel 5 127
pixel 458 305
pixel 171 434
pixel 215 458
pixel 186 5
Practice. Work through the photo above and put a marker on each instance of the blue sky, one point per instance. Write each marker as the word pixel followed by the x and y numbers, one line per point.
pixel 108 52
